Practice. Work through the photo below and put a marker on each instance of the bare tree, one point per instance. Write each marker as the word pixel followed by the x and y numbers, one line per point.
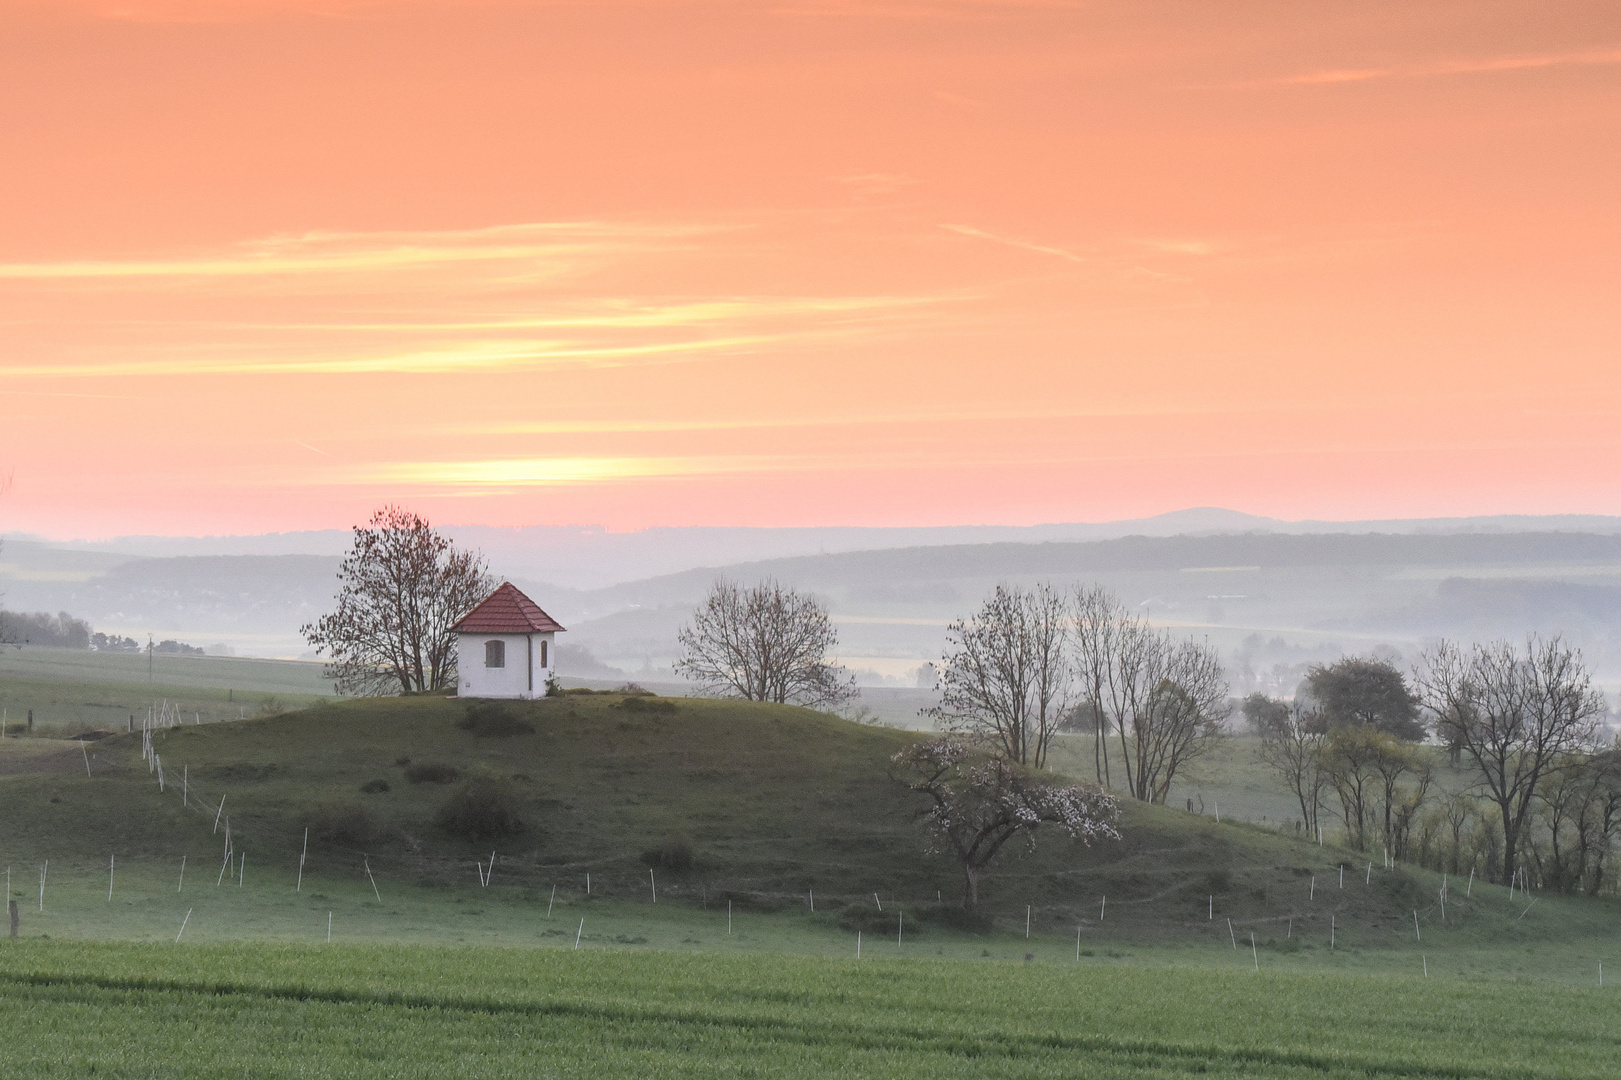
pixel 1404 773
pixel 981 801
pixel 1185 706
pixel 1005 674
pixel 1162 698
pixel 1351 759
pixel 1515 714
pixel 1457 808
pixel 1581 809
pixel 402 586
pixel 766 643
pixel 1104 633
pixel 1292 745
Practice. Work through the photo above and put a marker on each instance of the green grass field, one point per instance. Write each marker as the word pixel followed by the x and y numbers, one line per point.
pixel 1138 958
pixel 74 690
pixel 75 1009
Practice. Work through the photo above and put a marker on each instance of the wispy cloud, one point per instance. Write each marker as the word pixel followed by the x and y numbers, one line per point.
pixel 232 11
pixel 1470 66
pixel 497 474
pixel 467 357
pixel 774 422
pixel 541 248
pixel 481 476
pixel 511 297
pixel 620 315
pixel 1011 241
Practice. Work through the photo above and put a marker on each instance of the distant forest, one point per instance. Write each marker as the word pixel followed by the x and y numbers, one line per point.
pixel 41 628
pixel 63 631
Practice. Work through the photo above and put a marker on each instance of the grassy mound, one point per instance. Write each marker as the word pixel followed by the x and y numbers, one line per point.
pixel 706 800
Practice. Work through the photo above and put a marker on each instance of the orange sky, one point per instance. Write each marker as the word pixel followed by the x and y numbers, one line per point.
pixel 265 264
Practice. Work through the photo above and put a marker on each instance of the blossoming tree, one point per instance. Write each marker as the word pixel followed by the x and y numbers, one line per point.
pixel 980 801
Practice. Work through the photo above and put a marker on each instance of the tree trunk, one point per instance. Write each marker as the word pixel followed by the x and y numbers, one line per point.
pixel 1511 841
pixel 970 888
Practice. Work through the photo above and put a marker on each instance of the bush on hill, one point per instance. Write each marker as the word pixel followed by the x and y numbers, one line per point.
pixel 374 787
pixel 431 772
pixel 864 916
pixel 242 771
pixel 674 853
pixel 645 704
pixel 953 917
pixel 494 720
pixel 341 821
pixel 483 808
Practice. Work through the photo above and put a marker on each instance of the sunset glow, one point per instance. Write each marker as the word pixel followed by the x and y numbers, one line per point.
pixel 268 264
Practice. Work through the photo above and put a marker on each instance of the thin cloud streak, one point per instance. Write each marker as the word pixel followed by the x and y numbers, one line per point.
pixel 990 416
pixel 1591 58
pixel 1027 245
pixel 351 253
pixel 489 356
pixel 698 313
pixel 470 288
pixel 543 472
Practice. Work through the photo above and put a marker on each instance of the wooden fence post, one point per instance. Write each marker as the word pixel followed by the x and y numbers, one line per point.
pixel 15 918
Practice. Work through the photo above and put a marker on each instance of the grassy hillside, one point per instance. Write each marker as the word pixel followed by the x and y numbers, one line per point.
pixel 774 803
pixel 274 1011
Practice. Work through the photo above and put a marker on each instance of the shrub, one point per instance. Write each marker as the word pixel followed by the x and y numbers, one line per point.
pixel 953 917
pixel 374 787
pixel 748 901
pixel 483 808
pixel 641 703
pixel 494 720
pixel 242 770
pixel 429 772
pixel 673 853
pixel 341 822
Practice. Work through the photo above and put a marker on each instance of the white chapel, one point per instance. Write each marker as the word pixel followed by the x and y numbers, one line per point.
pixel 504 647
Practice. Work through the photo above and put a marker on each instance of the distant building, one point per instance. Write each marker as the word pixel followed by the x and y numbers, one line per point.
pixel 505 647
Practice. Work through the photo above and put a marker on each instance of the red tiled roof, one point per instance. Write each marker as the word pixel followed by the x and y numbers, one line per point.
pixel 506 611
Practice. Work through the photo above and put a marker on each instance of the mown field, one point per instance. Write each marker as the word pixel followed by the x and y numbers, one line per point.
pixel 74 1009
pixel 75 690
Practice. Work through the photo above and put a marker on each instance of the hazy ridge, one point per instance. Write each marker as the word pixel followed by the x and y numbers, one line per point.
pixel 1273 594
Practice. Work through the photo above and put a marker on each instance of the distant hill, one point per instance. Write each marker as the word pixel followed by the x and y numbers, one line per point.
pixel 591 557
pixel 1273 596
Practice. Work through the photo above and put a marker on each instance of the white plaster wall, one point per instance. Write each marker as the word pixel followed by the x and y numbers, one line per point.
pixel 512 681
